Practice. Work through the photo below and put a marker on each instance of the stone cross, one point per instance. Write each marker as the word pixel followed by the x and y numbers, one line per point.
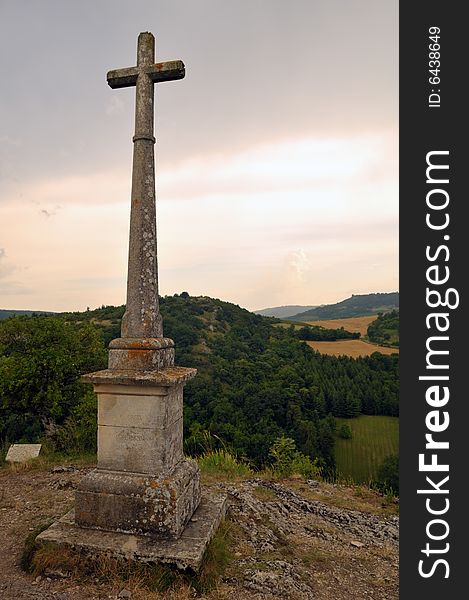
pixel 139 502
pixel 142 318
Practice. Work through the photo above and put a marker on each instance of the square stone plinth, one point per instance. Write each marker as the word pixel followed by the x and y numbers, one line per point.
pixel 154 505
pixel 184 553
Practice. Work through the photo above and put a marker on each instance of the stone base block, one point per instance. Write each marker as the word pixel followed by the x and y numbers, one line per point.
pixel 159 506
pixel 141 354
pixel 184 553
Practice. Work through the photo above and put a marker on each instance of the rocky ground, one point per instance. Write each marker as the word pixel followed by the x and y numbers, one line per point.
pixel 291 539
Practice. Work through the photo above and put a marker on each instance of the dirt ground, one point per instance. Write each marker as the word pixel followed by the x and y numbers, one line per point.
pixel 290 540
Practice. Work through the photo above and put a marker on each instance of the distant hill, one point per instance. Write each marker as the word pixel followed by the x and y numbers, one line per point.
pixel 5 313
pixel 283 312
pixel 355 306
pixel 256 381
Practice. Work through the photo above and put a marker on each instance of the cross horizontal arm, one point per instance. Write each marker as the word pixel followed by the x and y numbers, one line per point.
pixel 159 72
pixel 166 71
pixel 122 77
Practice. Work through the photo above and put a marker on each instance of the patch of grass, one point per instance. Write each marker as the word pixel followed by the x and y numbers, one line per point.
pixel 217 558
pixel 373 439
pixel 223 465
pixel 102 569
pixel 47 460
pixel 3 452
pixel 350 497
pixel 30 548
pixel 264 494
pixel 315 555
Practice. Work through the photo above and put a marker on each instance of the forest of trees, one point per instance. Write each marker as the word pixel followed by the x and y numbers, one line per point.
pixel 255 381
pixel 314 333
pixel 385 329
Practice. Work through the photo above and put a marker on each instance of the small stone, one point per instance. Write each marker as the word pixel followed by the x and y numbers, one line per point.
pixel 56 574
pixel 125 594
pixel 64 469
pixel 357 544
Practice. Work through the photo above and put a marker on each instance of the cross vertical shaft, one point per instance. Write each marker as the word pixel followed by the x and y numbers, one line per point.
pixel 142 318
pixel 141 345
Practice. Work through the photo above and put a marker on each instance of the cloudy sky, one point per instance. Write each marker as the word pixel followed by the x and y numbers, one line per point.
pixel 276 155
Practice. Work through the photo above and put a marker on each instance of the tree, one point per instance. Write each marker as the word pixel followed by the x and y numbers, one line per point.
pixel 283 452
pixel 345 431
pixel 388 474
pixel 41 360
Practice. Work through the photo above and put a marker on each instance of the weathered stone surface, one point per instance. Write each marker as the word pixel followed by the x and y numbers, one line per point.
pixel 140 428
pixel 167 377
pixel 159 506
pixel 122 406
pixel 141 354
pixel 22 452
pixel 138 449
pixel 142 317
pixel 186 552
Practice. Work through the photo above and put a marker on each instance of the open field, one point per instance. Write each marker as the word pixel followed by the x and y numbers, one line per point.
pixel 353 348
pixel 373 438
pixel 353 324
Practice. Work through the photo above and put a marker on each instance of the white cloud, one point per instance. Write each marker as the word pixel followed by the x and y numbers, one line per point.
pixel 304 221
pixel 115 106
pixel 299 263
pixel 284 166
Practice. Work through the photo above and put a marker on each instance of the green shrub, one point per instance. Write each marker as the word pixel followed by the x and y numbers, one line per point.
pixel 288 461
pixel 283 451
pixel 222 462
pixel 345 431
pixel 388 475
pixel 304 466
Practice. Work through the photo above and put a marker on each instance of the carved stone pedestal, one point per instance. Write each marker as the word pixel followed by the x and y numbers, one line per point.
pixel 143 483
pixel 143 486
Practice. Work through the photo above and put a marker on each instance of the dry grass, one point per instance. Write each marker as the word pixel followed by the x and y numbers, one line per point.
pixel 353 324
pixel 315 555
pixel 45 461
pixel 358 497
pixel 146 582
pixel 352 348
pixel 265 494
